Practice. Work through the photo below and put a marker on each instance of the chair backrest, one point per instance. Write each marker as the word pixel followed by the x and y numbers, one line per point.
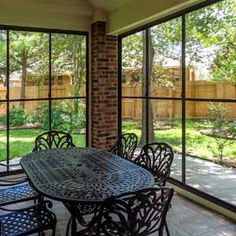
pixel 125 146
pixel 157 157
pixel 53 139
pixel 139 213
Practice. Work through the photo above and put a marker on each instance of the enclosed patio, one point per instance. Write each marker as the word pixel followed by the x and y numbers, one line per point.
pixel 117 117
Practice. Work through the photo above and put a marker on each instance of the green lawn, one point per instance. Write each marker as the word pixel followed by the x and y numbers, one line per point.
pixel 22 142
pixel 197 144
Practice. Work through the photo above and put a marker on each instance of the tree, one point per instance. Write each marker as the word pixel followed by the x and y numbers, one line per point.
pixel 69 56
pixel 29 55
pixel 28 51
pixel 3 70
pixel 222 131
pixel 206 29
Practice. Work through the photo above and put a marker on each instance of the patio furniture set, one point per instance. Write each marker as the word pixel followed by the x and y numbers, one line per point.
pixel 126 195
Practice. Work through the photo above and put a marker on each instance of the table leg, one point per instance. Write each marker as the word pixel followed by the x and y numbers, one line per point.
pixel 75 216
pixel 73 226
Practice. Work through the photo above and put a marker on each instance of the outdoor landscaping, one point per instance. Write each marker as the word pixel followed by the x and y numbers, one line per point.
pixel 25 127
pixel 22 142
pixel 197 144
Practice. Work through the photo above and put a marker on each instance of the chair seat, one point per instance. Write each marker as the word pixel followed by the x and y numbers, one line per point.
pixel 27 221
pixel 16 194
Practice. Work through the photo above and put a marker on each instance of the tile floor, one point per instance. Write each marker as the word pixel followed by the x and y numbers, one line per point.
pixel 184 219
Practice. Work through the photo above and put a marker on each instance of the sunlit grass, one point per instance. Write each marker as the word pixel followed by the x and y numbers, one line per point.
pixel 197 144
pixel 22 142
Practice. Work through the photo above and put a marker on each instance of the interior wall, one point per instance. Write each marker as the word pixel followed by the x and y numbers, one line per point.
pixel 60 14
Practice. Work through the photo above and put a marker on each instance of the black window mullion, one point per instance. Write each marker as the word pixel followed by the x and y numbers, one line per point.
pixel 146 80
pixel 183 58
pixel 49 82
pixel 7 100
pixel 87 91
pixel 119 87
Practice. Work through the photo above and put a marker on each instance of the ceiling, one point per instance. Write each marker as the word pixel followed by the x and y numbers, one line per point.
pixel 108 5
pixel 120 15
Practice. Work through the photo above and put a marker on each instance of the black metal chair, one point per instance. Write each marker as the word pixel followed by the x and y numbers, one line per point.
pixel 125 146
pixel 139 213
pixel 19 190
pixel 157 157
pixel 53 139
pixel 15 190
pixel 29 220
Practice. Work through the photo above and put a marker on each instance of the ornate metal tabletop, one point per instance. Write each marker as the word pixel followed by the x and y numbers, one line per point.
pixel 83 174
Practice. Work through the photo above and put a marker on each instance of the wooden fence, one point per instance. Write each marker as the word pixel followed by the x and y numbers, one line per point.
pixel 169 109
pixel 132 108
pixel 35 92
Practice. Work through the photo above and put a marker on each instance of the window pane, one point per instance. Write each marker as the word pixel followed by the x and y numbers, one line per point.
pixel 69 115
pixel 28 65
pixel 210 51
pixel 25 124
pixel 68 65
pixel 3 135
pixel 132 65
pixel 3 60
pixel 210 145
pixel 132 122
pixel 166 126
pixel 165 59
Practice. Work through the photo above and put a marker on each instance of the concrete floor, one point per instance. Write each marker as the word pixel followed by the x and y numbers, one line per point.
pixel 184 219
pixel 215 179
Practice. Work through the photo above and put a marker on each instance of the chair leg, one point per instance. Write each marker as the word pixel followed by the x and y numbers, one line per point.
pixel 41 233
pixel 68 227
pixel 160 232
pixel 54 231
pixel 167 229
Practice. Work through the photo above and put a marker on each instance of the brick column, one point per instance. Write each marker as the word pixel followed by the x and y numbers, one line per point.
pixel 104 87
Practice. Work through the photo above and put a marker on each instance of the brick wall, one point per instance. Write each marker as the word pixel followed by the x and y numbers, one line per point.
pixel 104 87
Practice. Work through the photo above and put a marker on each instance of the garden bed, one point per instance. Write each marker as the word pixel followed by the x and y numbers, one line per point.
pixel 208 132
pixel 25 126
pixel 226 162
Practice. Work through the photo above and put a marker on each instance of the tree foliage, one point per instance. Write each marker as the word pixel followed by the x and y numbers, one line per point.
pixel 210 32
pixel 29 56
pixel 210 40
pixel 222 130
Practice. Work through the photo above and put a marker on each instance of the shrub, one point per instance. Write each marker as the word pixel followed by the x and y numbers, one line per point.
pixel 17 117
pixel 223 131
pixel 63 117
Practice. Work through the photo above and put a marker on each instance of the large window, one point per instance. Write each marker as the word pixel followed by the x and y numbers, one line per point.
pixel 43 81
pixel 179 88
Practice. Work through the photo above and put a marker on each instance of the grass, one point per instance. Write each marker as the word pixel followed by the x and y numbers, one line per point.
pixel 197 144
pixel 22 142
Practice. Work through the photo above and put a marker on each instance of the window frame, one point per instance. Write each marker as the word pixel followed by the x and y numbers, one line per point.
pixel 183 99
pixel 49 98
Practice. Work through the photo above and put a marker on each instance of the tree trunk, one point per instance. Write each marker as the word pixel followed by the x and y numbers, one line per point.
pixel 144 89
pixel 23 77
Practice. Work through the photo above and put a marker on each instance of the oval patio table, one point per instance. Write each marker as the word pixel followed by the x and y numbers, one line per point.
pixel 83 175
